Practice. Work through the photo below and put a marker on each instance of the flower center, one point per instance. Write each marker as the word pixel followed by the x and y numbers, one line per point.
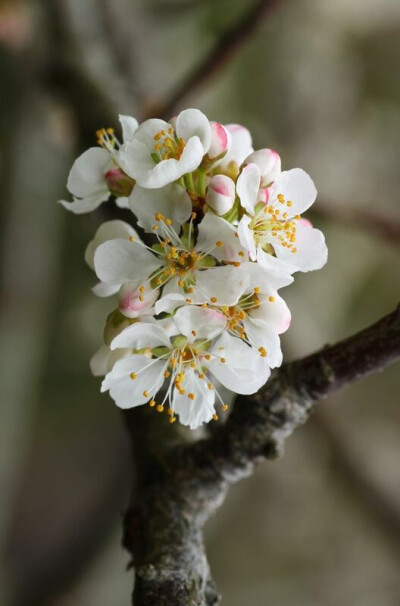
pixel 167 145
pixel 271 221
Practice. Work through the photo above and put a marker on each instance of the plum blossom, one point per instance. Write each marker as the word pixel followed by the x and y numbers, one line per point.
pixel 276 226
pixel 97 173
pixel 184 362
pixel 160 153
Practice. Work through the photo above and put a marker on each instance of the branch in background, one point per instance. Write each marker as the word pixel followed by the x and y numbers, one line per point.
pixel 224 50
pixel 379 505
pixel 375 223
pixel 181 490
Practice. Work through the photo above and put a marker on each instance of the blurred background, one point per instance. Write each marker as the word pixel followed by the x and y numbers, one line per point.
pixel 319 82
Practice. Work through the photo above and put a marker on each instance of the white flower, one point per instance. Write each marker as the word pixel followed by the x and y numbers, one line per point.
pixel 109 230
pixel 221 194
pixel 220 141
pixel 269 163
pixel 240 147
pixel 96 173
pixel 178 265
pixel 160 153
pixel 171 201
pixel 183 362
pixel 275 227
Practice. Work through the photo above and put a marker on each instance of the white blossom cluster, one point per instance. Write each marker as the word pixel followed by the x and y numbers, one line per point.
pixel 198 302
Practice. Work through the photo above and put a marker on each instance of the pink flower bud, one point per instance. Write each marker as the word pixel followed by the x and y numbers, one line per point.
pixel 118 182
pixel 135 301
pixel 219 141
pixel 220 194
pixel 269 163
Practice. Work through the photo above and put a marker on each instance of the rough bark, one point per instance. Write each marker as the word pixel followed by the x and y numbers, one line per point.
pixel 181 486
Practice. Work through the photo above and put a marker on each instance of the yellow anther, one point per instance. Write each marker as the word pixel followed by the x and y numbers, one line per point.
pixel 210 386
pixel 142 289
pixel 166 374
pixel 297 217
pixel 262 351
pixel 170 412
pixel 257 290
pixel 207 357
pixel 157 146
pixel 289 203
pixel 189 290
pixel 204 305
pixel 294 250
pixel 160 408
pixel 236 264
pixel 133 376
pixel 181 283
pixel 172 419
pixel 223 360
pixel 213 299
pixel 225 407
pixel 194 333
pixel 152 403
pixel 168 221
pixel 201 375
pixel 141 298
pixel 110 131
pixel 131 238
pixel 241 253
pixel 191 396
pixel 215 417
pixel 219 244
pixel 189 301
pixel 182 392
pixel 271 299
pixel 194 215
pixel 146 393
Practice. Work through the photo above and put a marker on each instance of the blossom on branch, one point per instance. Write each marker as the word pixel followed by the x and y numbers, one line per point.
pixel 197 301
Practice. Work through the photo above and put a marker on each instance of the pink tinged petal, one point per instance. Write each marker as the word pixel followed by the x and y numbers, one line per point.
pixel 219 285
pixel 240 145
pixel 269 163
pixel 247 187
pixel 109 230
pixel 246 237
pixel 193 123
pixel 118 182
pixel 172 201
pixel 141 335
pixel 129 126
pixel 305 222
pixel 221 194
pixel 219 140
pixel 214 229
pixel 260 334
pixel 119 261
pixel 273 311
pixel 199 323
pixel 87 173
pixel 244 370
pixel 311 251
pixel 98 362
pixel 298 188
pixel 263 195
pixel 194 412
pixel 132 302
pixel 87 204
pixel 127 392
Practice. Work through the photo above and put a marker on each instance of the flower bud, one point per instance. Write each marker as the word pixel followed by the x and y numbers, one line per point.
pixel 115 324
pixel 118 182
pixel 219 141
pixel 221 194
pixel 269 163
pixel 135 301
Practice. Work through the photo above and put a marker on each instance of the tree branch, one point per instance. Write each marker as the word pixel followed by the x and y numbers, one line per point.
pixel 182 488
pixel 224 50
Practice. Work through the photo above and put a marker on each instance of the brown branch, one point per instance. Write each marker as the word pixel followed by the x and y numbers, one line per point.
pixel 182 488
pixel 377 224
pixel 224 50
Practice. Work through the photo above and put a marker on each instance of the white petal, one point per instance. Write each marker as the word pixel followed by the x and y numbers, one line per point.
pixel 87 204
pixel 122 202
pixel 119 261
pixel 273 266
pixel 196 322
pixel 269 163
pixel 244 371
pixel 105 290
pixel 298 187
pixel 224 284
pixel 87 173
pixel 311 251
pixel 246 237
pixel 192 122
pixel 98 362
pixel 194 412
pixel 133 303
pixel 172 201
pixel 265 279
pixel 168 303
pixel 275 313
pixel 214 229
pixel 141 336
pixel 240 145
pixel 108 231
pixel 260 334
pixel 247 187
pixel 129 126
pixel 128 393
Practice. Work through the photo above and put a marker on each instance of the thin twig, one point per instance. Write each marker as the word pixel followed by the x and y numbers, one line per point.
pixel 224 50
pixel 378 224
